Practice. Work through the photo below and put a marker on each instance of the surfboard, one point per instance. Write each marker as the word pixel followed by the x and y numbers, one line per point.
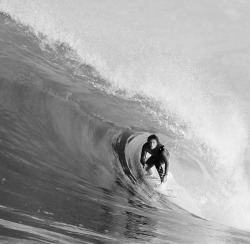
pixel 160 187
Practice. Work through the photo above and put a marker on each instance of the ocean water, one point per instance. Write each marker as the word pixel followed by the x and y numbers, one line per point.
pixel 84 83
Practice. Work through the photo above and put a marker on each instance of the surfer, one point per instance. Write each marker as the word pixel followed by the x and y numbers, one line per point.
pixel 159 156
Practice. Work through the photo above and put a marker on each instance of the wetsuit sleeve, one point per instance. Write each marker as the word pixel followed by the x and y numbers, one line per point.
pixel 143 155
pixel 166 165
pixel 164 151
pixel 165 156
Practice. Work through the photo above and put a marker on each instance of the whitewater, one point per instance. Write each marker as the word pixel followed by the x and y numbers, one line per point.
pixel 84 83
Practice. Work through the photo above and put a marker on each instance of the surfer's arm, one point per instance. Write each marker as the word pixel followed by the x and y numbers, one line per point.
pixel 165 157
pixel 143 155
pixel 166 166
pixel 166 162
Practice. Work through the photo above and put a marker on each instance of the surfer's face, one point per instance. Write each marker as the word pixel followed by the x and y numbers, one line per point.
pixel 152 143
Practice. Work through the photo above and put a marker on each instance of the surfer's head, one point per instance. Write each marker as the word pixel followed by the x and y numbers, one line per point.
pixel 153 140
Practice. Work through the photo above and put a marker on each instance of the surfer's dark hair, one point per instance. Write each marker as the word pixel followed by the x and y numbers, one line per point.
pixel 153 137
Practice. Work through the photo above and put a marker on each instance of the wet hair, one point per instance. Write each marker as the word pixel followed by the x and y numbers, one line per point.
pixel 153 137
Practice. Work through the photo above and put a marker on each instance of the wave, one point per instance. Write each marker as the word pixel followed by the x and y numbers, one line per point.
pixel 138 67
pixel 72 134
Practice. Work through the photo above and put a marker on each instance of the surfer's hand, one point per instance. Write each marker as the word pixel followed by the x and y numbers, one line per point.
pixel 163 177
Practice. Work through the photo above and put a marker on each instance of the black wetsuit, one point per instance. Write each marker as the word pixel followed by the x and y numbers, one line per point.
pixel 159 156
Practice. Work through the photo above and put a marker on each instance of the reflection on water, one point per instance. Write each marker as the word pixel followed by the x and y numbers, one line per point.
pixel 139 226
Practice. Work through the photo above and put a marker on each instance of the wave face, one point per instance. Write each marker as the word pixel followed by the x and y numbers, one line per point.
pixel 82 87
